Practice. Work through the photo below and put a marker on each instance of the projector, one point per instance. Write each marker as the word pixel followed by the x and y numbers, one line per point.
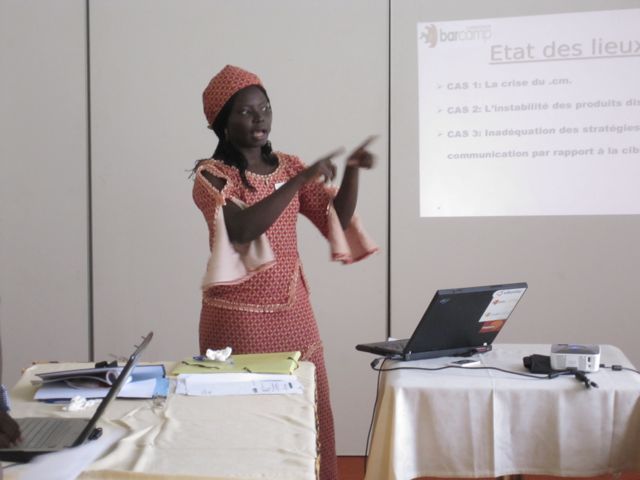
pixel 579 357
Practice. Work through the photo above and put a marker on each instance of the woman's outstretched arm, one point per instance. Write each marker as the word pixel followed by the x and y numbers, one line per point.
pixel 347 196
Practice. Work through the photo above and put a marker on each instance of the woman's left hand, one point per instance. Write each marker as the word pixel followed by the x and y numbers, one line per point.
pixel 361 157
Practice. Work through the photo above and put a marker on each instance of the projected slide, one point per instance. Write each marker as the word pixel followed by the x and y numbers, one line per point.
pixel 534 115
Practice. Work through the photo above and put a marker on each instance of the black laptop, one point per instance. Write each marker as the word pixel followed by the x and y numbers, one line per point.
pixel 46 434
pixel 459 321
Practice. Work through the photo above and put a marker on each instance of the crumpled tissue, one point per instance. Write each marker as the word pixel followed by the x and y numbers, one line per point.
pixel 78 403
pixel 218 355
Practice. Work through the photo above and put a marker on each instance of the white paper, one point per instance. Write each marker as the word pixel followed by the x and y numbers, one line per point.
pixel 55 391
pixel 237 384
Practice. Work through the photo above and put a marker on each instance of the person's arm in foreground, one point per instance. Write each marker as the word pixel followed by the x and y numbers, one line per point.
pixel 9 430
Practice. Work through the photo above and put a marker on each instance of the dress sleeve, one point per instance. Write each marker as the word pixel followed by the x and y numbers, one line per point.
pixel 316 203
pixel 229 263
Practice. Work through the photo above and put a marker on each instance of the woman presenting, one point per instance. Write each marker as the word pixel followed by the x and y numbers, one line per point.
pixel 255 296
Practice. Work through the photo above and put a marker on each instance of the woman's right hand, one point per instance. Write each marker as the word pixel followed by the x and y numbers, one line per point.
pixel 322 169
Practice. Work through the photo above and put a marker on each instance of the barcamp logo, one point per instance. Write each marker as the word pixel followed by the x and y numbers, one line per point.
pixel 431 35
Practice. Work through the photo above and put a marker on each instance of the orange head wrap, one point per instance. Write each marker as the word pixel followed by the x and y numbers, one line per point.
pixel 223 86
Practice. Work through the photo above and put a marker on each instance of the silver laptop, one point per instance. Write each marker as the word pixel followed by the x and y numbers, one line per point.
pixel 44 434
pixel 458 321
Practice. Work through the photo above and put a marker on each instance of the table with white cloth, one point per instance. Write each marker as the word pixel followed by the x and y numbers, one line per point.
pixel 181 437
pixel 461 422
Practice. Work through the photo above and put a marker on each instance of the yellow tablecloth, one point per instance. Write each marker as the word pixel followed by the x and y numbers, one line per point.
pixel 230 437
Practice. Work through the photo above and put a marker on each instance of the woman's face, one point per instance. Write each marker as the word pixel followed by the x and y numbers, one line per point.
pixel 249 120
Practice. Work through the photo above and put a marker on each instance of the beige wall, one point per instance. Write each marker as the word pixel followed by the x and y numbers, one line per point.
pixel 43 183
pixel 325 64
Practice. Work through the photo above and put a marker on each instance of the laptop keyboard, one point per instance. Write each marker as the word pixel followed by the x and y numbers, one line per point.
pixel 45 433
pixel 397 345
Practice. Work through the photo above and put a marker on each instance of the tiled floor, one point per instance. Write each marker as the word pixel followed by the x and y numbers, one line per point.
pixel 352 468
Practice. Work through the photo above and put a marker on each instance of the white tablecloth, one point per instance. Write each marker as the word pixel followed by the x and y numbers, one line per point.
pixel 231 437
pixel 484 423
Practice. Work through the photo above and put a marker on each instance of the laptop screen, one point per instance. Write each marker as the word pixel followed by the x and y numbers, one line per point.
pixel 115 388
pixel 465 317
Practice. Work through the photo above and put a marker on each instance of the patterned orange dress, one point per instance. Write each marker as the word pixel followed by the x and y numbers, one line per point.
pixel 255 296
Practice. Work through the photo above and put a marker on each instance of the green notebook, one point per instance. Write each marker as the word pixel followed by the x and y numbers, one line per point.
pixel 278 362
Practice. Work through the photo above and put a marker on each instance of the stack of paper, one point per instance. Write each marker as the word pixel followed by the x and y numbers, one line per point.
pixel 249 374
pixel 146 381
pixel 237 384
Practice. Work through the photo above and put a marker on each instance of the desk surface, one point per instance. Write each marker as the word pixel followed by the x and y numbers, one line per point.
pixel 239 437
pixel 485 423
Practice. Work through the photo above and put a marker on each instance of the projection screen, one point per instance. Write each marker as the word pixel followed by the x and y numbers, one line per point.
pixel 531 115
